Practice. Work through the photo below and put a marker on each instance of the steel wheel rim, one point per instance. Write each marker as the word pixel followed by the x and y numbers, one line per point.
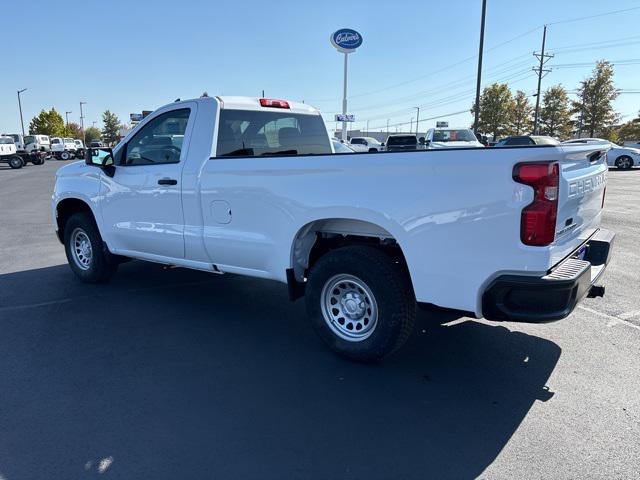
pixel 81 249
pixel 349 307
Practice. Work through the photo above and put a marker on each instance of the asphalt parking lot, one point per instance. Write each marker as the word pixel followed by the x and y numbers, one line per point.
pixel 169 373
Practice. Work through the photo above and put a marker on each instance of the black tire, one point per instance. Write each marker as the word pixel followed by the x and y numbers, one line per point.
pixel 103 264
pixel 388 281
pixel 38 161
pixel 624 162
pixel 16 162
pixel 65 156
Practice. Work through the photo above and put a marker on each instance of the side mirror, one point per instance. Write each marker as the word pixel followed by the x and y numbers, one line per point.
pixel 382 144
pixel 421 140
pixel 100 157
pixel 427 142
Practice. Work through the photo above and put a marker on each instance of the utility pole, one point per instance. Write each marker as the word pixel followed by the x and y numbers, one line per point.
pixel 387 127
pixel 262 93
pixel 93 124
pixel 417 120
pixel 84 138
pixel 411 125
pixel 66 114
pixel 20 108
pixel 541 71
pixel 479 78
pixel 367 128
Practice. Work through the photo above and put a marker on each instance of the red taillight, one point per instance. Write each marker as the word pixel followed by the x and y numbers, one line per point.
pixel 270 102
pixel 538 221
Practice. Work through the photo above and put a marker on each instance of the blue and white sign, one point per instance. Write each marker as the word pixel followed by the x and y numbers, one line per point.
pixel 346 40
pixel 347 117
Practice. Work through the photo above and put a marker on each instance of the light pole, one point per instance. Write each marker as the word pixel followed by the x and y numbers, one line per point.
pixel 480 50
pixel 417 119
pixel 387 127
pixel 367 128
pixel 93 124
pixel 66 114
pixel 84 139
pixel 411 125
pixel 20 108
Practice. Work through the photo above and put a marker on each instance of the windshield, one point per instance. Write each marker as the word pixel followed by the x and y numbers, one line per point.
pixel 30 139
pixel 402 140
pixel 6 140
pixel 341 148
pixel 453 136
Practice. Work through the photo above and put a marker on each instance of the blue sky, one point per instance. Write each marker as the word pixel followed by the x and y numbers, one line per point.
pixel 135 55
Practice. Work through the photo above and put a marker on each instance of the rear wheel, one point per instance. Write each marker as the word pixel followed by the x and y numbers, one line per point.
pixel 87 254
pixel 360 302
pixel 624 162
pixel 65 156
pixel 16 162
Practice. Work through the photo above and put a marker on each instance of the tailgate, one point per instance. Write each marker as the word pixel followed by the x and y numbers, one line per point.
pixel 583 177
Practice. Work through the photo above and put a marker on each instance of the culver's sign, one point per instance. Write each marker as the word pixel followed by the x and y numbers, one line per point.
pixel 346 40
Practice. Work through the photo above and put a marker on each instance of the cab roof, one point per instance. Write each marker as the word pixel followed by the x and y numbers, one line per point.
pixel 253 103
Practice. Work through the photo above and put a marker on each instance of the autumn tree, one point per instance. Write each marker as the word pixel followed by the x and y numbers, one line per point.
pixel 496 110
pixel 91 134
pixel 73 130
pixel 521 122
pixel 630 130
pixel 555 114
pixel 47 122
pixel 594 106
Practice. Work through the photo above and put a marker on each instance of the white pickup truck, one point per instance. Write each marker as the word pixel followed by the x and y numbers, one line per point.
pixel 251 186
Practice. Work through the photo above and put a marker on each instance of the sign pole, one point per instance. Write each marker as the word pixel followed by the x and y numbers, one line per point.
pixel 344 100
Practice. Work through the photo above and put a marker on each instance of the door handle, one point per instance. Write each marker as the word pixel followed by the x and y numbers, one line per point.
pixel 167 181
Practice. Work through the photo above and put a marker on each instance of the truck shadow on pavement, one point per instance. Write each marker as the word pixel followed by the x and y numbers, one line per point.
pixel 168 373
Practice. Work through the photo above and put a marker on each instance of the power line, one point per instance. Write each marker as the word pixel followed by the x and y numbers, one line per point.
pixel 598 15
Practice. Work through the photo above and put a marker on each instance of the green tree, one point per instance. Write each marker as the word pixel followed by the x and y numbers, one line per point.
pixel 47 122
pixel 521 121
pixel 496 110
pixel 91 134
pixel 110 131
pixel 596 94
pixel 555 114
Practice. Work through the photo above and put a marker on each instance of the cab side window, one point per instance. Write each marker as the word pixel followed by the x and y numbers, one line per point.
pixel 159 141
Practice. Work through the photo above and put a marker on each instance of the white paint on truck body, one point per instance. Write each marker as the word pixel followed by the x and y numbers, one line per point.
pixel 455 213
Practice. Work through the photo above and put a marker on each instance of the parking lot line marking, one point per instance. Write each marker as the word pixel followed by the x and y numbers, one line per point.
pixel 610 317
pixel 627 315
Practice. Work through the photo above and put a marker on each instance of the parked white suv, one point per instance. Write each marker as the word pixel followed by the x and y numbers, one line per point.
pixel 451 138
pixel 365 144
pixel 618 156
pixel 252 187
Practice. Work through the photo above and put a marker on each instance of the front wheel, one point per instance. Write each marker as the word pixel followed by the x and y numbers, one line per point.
pixel 16 162
pixel 360 302
pixel 87 254
pixel 624 162
pixel 65 156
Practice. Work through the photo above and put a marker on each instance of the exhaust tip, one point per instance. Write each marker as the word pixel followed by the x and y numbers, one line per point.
pixel 596 291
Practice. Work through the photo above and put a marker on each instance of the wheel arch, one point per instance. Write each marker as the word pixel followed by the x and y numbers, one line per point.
pixel 318 236
pixel 65 208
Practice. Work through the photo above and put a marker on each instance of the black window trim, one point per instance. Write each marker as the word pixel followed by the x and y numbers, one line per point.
pixel 122 154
